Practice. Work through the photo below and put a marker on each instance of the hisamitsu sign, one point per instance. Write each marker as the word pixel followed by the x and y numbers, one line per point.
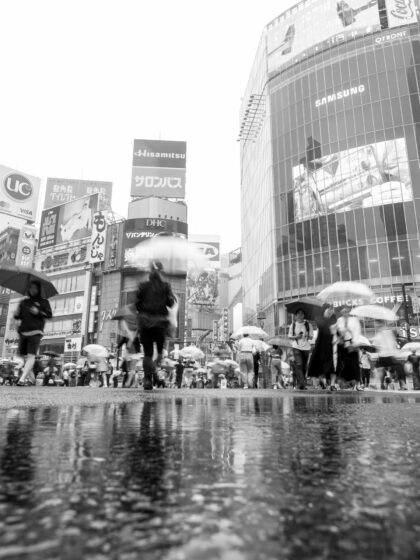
pixel 159 168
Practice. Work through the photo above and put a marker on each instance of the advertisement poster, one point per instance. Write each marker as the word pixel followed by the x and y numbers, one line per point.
pixel 98 239
pixel 19 193
pixel 209 247
pixel 26 247
pixel 401 12
pixel 59 191
pixel 159 168
pixel 294 34
pixel 202 289
pixel 67 222
pixel 362 177
pixel 142 229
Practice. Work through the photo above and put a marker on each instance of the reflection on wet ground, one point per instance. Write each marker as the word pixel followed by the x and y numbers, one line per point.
pixel 231 478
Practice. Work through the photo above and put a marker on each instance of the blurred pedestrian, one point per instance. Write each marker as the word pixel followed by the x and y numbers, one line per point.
pixel 179 372
pixel 365 367
pixel 348 332
pixel 321 365
pixel 246 348
pixel 50 373
pixel 153 299
pixel 275 367
pixel 414 360
pixel 257 355
pixel 32 314
pixel 385 342
pixel 301 333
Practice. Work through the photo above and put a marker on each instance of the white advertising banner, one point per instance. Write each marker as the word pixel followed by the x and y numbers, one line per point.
pixel 401 12
pixel 19 193
pixel 98 238
pixel 73 344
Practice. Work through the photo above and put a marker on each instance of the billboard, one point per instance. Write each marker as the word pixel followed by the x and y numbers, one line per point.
pixel 361 177
pixel 19 193
pixel 313 26
pixel 60 191
pixel 401 12
pixel 202 289
pixel 159 168
pixel 26 246
pixel 209 247
pixel 62 257
pixel 141 229
pixel 67 222
pixel 98 238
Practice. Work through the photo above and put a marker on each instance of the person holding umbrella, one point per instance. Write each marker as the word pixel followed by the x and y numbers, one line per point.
pixel 153 299
pixel 348 333
pixel 32 314
pixel 301 333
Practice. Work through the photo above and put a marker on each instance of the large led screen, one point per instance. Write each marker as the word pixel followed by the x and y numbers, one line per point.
pixel 357 178
pixel 313 26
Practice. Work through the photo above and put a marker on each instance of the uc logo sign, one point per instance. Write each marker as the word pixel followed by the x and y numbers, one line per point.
pixel 17 186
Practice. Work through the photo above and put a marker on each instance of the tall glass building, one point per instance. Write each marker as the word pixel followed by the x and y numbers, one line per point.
pixel 330 166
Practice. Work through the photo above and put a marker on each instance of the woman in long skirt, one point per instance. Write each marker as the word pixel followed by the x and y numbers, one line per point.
pixel 321 365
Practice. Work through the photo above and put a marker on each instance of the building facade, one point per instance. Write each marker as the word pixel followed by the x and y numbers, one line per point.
pixel 341 136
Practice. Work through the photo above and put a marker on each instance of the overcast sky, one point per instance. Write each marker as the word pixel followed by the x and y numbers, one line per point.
pixel 81 79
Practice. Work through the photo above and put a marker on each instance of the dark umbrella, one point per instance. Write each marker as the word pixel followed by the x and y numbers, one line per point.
pixel 18 278
pixel 311 306
pixel 51 354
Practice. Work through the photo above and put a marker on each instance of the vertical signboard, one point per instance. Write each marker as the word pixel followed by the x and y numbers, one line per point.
pixel 401 12
pixel 26 247
pixel 19 193
pixel 98 239
pixel 159 168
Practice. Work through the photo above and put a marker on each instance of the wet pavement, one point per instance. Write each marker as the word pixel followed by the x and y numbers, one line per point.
pixel 236 475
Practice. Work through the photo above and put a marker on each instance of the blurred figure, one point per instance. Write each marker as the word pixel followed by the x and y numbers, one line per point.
pixel 365 367
pixel 348 332
pixel 321 365
pixel 179 372
pixel 32 313
pixel 414 360
pixel 49 373
pixel 259 348
pixel 275 367
pixel 152 301
pixel 246 348
pixel 386 345
pixel 301 333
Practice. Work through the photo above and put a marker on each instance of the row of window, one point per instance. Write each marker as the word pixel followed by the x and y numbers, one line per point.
pixel 356 263
pixel 70 283
pixel 64 305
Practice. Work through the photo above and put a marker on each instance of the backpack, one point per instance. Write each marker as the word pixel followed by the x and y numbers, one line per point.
pixel 306 323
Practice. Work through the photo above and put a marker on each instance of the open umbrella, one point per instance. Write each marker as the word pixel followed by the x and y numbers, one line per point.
pixel 250 330
pixel 364 343
pixel 50 353
pixel 377 312
pixel 192 353
pixel 347 293
pixel 176 254
pixel 311 306
pixel 18 278
pixel 70 365
pixel 96 350
pixel 410 346
pixel 280 341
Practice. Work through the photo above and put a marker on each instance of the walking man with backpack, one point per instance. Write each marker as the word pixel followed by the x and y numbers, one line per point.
pixel 301 333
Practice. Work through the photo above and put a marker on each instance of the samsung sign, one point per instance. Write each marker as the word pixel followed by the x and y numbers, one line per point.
pixel 342 94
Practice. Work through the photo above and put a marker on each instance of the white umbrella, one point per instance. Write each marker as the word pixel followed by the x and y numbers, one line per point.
pixel 251 330
pixel 96 350
pixel 176 254
pixel 349 293
pixel 410 346
pixel 374 312
pixel 192 352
